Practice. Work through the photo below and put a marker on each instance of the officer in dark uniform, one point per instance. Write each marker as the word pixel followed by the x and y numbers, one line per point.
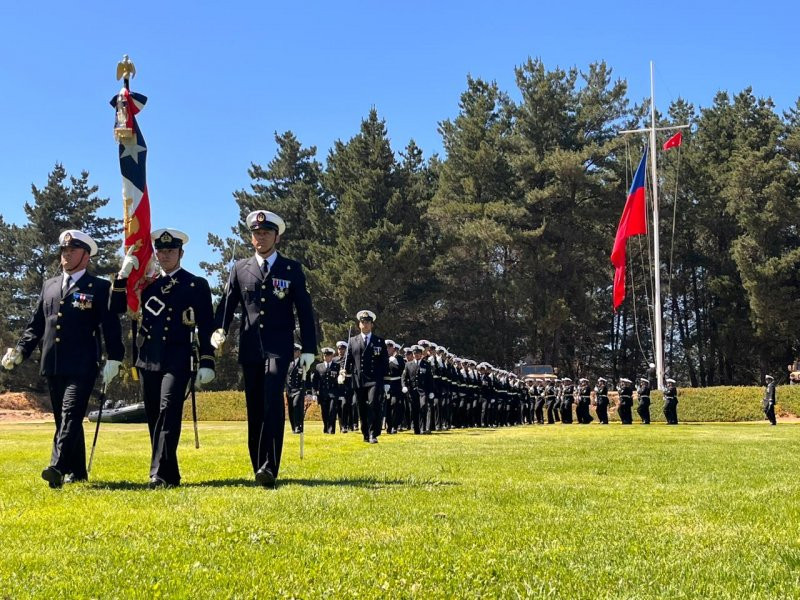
pixel 173 305
pixel 417 382
pixel 768 404
pixel 567 398
pixel 394 400
pixel 671 403
pixel 71 315
pixel 346 409
pixel 538 407
pixel 625 401
pixel 368 364
pixel 643 406
pixel 270 288
pixel 326 389
pixel 584 401
pixel 550 400
pixel 601 400
pixel 296 391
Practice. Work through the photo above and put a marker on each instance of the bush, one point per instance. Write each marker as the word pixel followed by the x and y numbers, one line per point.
pixel 230 406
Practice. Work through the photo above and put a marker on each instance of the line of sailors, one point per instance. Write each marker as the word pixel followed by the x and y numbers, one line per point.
pixel 427 388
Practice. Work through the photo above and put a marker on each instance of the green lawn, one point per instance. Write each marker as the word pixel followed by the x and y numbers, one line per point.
pixel 702 511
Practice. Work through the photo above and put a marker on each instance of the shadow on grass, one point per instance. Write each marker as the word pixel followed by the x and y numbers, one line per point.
pixel 366 482
pixel 361 482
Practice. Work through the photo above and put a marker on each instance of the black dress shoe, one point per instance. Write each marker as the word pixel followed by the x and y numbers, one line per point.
pixel 157 482
pixel 53 476
pixel 265 478
pixel 373 440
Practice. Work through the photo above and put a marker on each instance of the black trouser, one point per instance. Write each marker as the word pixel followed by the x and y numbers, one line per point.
pixel 296 401
pixel 69 395
pixel 769 412
pixel 602 411
pixel 671 412
pixel 566 412
pixel 370 410
pixel 345 412
pixel 582 410
pixel 625 414
pixel 327 406
pixel 394 410
pixel 538 410
pixel 164 394
pixel 263 389
pixel 550 412
pixel 420 413
pixel 644 412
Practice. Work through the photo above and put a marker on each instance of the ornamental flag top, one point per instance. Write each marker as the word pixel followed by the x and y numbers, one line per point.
pixel 132 159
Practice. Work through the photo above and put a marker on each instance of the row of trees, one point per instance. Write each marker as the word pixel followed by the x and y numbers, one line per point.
pixel 500 248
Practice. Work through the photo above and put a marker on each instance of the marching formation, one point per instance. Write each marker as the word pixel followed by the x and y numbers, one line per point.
pixel 426 388
pixel 365 384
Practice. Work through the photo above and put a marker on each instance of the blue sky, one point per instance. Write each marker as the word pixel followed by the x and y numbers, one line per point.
pixel 221 78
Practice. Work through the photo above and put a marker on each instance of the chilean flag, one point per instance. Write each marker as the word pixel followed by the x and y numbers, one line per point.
pixel 132 164
pixel 632 222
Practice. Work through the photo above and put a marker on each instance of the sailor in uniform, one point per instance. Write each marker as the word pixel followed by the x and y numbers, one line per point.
pixel 368 364
pixel 173 306
pixel 270 288
pixel 70 317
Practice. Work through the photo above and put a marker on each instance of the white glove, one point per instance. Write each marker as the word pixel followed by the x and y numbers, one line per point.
pixel 340 378
pixel 11 358
pixel 405 390
pixel 129 263
pixel 430 396
pixel 204 375
pixel 218 337
pixel 386 388
pixel 110 370
pixel 306 360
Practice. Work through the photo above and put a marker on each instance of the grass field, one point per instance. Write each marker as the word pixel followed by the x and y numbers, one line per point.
pixel 700 511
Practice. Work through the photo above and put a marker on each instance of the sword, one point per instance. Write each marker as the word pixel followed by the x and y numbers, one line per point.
pixel 97 427
pixel 193 374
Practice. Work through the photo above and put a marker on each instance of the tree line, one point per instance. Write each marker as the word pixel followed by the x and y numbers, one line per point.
pixel 499 249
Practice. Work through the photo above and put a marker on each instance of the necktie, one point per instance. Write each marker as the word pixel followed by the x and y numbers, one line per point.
pixel 66 285
pixel 265 269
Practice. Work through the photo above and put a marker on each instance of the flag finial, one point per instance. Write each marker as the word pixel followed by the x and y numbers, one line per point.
pixel 125 68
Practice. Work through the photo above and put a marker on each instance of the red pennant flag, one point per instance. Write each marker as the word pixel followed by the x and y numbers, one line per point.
pixel 674 141
pixel 632 222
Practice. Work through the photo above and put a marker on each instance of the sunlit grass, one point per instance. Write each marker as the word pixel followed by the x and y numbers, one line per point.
pixel 563 511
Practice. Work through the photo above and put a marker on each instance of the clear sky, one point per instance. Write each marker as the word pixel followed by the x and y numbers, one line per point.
pixel 222 77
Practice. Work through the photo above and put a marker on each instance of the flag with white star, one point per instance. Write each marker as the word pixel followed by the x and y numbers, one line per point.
pixel 132 164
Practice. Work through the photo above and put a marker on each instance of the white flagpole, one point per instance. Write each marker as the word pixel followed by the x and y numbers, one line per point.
pixel 658 337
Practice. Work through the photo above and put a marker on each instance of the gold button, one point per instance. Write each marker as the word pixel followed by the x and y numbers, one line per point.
pixel 58 339
pixel 58 326
pixel 263 299
pixel 262 312
pixel 261 325
pixel 60 315
pixel 62 302
pixel 169 318
pixel 263 287
pixel 164 338
pixel 166 328
pixel 170 309
pixel 148 337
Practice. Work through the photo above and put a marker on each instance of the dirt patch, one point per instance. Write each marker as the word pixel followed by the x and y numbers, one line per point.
pixel 25 406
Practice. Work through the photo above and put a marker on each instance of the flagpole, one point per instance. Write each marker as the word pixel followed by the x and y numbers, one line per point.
pixel 657 334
